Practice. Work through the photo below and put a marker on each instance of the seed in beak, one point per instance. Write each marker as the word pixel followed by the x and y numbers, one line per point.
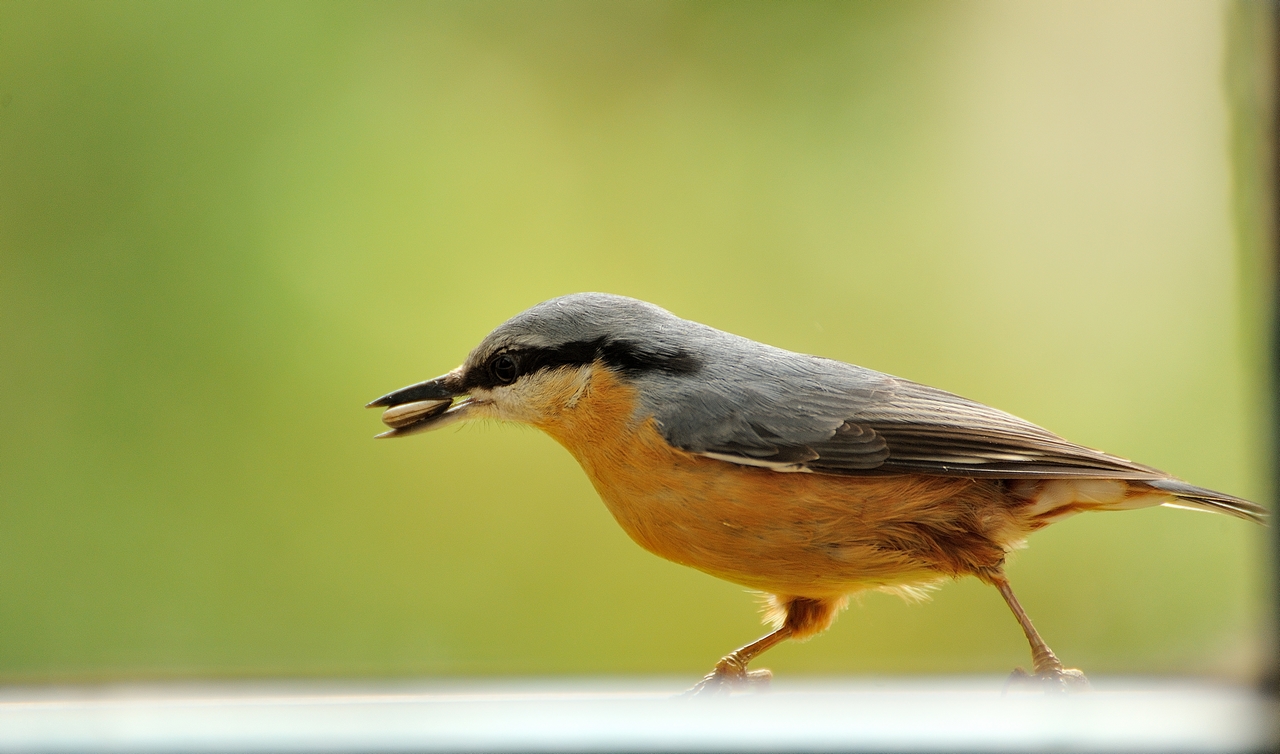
pixel 410 413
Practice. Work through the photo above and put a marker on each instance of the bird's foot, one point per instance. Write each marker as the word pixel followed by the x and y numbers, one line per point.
pixel 1053 679
pixel 730 675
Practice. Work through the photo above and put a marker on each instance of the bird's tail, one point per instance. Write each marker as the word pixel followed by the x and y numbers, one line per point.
pixel 1198 498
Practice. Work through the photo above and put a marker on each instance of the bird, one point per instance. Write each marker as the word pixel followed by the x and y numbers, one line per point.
pixel 804 478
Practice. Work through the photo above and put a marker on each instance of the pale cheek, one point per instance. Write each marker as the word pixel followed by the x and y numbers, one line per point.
pixel 511 404
pixel 508 410
pixel 488 405
pixel 536 399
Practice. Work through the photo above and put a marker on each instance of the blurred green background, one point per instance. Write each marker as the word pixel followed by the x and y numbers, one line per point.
pixel 226 226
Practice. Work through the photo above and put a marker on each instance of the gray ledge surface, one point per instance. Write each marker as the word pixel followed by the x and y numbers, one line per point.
pixel 863 715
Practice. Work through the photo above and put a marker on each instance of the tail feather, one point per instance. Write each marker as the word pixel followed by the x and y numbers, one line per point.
pixel 1190 496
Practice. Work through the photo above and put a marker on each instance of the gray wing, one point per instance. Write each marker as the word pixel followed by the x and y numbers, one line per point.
pixel 794 413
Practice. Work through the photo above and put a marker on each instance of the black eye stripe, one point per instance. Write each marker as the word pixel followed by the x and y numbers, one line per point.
pixel 629 357
pixel 621 355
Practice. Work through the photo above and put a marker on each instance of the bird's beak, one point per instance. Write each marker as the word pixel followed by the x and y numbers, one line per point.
pixel 424 406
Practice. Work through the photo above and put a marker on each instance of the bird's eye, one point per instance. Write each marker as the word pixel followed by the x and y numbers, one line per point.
pixel 504 369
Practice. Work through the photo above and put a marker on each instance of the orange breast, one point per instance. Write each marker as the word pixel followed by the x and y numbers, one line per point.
pixel 796 534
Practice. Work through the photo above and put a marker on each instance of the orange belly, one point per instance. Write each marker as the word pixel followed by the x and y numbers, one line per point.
pixel 799 534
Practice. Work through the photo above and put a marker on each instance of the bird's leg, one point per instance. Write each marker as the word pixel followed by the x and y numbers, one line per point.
pixel 1048 669
pixel 732 671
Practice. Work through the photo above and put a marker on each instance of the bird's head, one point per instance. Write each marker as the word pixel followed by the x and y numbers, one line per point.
pixel 536 365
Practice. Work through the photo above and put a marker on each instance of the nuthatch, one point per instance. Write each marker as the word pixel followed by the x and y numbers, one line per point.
pixel 805 478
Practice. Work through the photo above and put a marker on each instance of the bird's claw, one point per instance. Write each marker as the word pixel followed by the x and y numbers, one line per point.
pixel 1051 680
pixel 729 676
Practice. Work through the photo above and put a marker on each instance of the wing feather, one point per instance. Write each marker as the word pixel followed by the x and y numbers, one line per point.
pixel 803 413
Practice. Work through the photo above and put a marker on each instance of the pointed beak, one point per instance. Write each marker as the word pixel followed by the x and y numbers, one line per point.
pixel 423 407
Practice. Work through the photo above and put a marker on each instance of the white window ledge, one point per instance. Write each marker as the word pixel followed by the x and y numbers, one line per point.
pixel 865 715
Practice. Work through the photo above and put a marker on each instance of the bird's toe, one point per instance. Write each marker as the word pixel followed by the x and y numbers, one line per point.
pixel 1057 680
pixel 729 677
pixel 1068 680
